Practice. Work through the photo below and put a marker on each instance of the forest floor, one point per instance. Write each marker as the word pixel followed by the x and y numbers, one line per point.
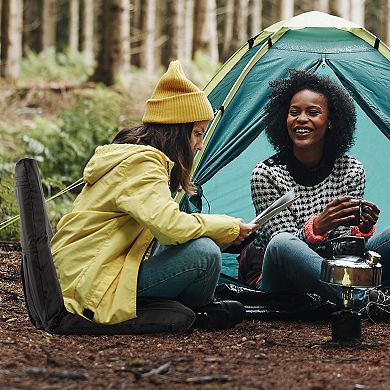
pixel 253 355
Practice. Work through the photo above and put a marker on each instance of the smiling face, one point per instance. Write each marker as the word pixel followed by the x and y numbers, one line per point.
pixel 307 123
pixel 196 139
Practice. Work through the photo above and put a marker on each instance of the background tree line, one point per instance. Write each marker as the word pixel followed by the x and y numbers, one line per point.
pixel 113 35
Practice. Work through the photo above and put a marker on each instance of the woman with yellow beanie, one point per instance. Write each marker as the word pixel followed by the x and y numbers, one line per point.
pixel 126 238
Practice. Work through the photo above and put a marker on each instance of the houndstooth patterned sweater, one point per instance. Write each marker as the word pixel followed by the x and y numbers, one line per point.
pixel 273 177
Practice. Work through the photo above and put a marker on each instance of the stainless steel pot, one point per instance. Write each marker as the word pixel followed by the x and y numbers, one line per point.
pixel 352 271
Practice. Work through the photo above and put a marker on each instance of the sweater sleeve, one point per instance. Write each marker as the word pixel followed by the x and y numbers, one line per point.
pixel 265 189
pixel 145 195
pixel 356 180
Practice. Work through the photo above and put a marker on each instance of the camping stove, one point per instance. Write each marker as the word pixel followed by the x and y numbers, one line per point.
pixel 348 265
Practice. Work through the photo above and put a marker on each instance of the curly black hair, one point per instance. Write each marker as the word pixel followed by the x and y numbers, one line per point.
pixel 342 114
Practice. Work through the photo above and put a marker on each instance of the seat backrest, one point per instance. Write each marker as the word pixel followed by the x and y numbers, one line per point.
pixel 41 287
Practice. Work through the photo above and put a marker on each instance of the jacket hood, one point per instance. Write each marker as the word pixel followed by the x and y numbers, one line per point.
pixel 108 157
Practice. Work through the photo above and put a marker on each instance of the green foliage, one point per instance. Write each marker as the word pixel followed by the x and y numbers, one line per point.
pixel 8 206
pixel 50 66
pixel 64 146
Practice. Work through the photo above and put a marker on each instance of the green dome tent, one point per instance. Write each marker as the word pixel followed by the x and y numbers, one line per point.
pixel 234 141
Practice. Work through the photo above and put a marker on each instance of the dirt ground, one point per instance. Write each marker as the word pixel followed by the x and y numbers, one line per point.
pixel 254 355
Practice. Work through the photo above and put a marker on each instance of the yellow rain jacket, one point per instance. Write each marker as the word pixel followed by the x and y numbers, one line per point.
pixel 125 204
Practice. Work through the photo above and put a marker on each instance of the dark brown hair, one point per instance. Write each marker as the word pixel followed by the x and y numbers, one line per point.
pixel 342 114
pixel 172 140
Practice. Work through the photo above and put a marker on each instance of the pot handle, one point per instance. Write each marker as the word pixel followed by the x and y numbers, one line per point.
pixel 348 245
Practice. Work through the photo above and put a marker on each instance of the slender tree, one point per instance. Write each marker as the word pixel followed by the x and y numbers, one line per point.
pixel 357 12
pixel 240 33
pixel 74 24
pixel 48 24
pixel 1 8
pixel 344 8
pixel 87 30
pixel 255 9
pixel 271 12
pixel 161 37
pixel 304 6
pixel 205 29
pixel 31 25
pixel 287 9
pixel 137 14
pixel 227 29
pixel 120 38
pixel 322 5
pixel 175 31
pixel 375 17
pixel 188 31
pixel 11 37
pixel 114 55
pixel 147 57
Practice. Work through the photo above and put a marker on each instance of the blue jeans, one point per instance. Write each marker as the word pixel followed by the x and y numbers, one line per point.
pixel 291 266
pixel 187 273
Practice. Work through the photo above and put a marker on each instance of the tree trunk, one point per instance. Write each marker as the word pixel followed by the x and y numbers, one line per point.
pixel 344 8
pixel 271 12
pixel 11 37
pixel 48 20
pixel 205 30
pixel 357 12
pixel 74 23
pixel 240 23
pixel 114 57
pixel 227 32
pixel 175 29
pixel 160 36
pixel 1 9
pixel 136 37
pixel 188 31
pixel 323 5
pixel 31 25
pixel 87 31
pixel 120 45
pixel 287 9
pixel 147 60
pixel 255 9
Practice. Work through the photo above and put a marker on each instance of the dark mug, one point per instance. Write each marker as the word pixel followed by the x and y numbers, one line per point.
pixel 357 216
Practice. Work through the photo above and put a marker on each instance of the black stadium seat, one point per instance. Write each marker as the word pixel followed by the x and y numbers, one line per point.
pixel 42 290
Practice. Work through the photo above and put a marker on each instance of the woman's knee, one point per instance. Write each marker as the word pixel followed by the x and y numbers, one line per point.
pixel 207 253
pixel 280 242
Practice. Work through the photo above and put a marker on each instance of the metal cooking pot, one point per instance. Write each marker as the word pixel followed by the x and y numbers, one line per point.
pixel 359 268
pixel 352 271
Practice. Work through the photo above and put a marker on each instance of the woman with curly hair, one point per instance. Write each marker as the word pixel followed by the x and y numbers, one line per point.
pixel 310 121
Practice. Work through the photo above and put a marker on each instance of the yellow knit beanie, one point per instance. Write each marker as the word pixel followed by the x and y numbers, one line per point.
pixel 177 100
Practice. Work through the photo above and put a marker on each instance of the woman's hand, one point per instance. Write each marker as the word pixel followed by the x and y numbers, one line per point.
pixel 340 211
pixel 370 215
pixel 246 230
